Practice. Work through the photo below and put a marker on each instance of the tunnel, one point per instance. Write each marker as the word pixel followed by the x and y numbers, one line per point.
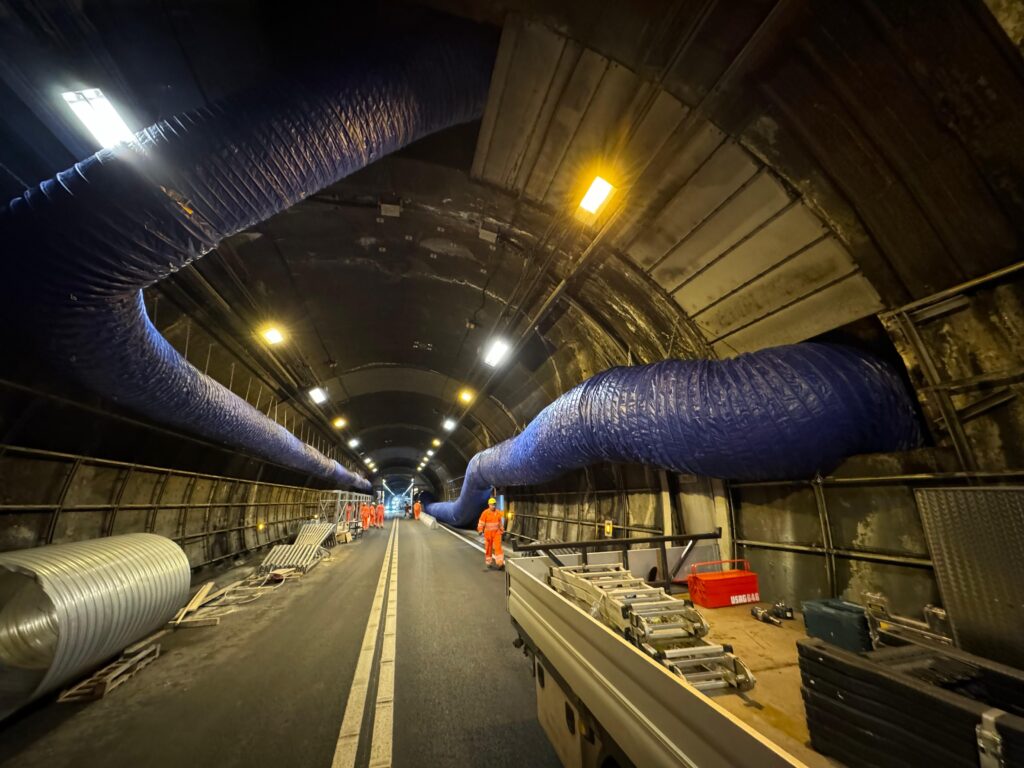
pixel 511 383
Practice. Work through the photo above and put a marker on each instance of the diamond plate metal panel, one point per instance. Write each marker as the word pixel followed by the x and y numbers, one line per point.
pixel 976 537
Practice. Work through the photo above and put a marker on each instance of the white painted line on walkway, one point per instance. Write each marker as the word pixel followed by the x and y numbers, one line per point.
pixel 383 719
pixel 348 737
pixel 461 538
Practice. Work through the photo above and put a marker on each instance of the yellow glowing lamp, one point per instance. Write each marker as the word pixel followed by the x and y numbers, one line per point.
pixel 272 335
pixel 596 196
pixel 466 396
pixel 339 423
pixel 260 526
pixel 609 528
pixel 435 442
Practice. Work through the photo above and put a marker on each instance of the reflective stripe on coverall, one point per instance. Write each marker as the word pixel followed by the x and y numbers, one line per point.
pixel 491 525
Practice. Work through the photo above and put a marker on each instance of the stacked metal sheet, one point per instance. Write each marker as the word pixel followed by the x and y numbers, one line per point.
pixel 912 705
pixel 316 534
pixel 301 557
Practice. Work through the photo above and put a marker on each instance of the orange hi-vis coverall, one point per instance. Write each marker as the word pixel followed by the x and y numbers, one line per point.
pixel 348 512
pixel 380 515
pixel 364 513
pixel 492 525
pixel 416 509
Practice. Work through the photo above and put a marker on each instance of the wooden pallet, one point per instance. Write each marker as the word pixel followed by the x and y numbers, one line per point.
pixel 112 676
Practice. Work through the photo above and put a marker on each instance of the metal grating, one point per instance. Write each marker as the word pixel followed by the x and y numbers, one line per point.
pixel 315 534
pixel 302 558
pixel 976 537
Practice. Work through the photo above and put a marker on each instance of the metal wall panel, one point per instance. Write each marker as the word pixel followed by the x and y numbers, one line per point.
pixel 211 518
pixel 697 207
pixel 976 536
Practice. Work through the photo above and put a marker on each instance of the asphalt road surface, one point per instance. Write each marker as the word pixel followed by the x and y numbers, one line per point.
pixel 439 684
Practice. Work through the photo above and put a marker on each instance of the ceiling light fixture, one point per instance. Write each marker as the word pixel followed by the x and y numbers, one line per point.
pixel 99 117
pixel 318 395
pixel 367 461
pixel 449 425
pixel 596 195
pixel 272 335
pixel 466 395
pixel 339 422
pixel 353 443
pixel 497 352
pixel 435 442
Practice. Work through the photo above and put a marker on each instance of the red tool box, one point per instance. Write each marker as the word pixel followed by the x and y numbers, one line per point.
pixel 717 589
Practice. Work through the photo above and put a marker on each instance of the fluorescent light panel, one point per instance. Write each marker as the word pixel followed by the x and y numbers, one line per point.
pixel 99 116
pixel 353 443
pixel 497 352
pixel 596 195
pixel 318 395
pixel 449 424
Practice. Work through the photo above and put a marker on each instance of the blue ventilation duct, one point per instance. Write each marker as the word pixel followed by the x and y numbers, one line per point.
pixel 781 413
pixel 79 249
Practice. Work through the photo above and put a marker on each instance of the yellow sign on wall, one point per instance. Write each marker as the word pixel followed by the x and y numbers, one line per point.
pixel 609 528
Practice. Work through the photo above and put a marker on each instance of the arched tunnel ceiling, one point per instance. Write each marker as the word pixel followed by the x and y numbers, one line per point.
pixel 736 231
pixel 784 167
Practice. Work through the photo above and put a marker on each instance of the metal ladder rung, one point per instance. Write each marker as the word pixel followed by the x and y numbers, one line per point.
pixel 691 663
pixel 660 607
pixel 697 650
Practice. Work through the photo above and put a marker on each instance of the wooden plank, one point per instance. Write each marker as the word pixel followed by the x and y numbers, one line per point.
pixel 195 602
pixel 111 676
pixel 221 592
pixel 199 622
pixel 142 645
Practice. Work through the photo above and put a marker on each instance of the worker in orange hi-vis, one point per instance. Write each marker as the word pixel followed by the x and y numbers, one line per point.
pixel 492 525
pixel 364 514
pixel 416 509
pixel 380 514
pixel 348 512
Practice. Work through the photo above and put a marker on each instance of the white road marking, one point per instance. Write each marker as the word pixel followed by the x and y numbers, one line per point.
pixel 348 737
pixel 383 719
pixel 461 538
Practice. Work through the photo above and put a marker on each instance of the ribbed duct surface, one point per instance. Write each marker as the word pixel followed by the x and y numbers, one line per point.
pixel 79 248
pixel 780 413
pixel 66 608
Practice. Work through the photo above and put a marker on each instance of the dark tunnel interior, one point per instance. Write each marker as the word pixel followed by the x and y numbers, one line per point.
pixel 782 175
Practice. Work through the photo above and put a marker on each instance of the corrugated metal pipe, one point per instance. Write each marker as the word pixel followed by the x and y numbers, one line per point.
pixel 79 248
pixel 779 413
pixel 66 608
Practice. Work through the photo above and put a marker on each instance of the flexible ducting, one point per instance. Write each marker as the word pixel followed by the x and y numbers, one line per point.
pixel 66 608
pixel 79 248
pixel 780 413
